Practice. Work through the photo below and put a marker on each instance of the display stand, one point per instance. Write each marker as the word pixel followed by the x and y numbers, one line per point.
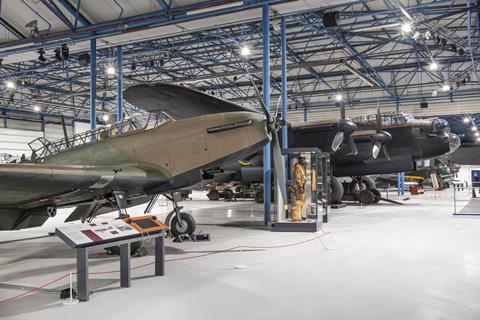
pixel 308 189
pixel 86 237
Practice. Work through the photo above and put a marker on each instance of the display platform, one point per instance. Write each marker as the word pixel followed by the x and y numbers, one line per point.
pixel 303 226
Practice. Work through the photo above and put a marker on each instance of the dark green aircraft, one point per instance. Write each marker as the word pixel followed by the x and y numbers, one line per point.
pixel 126 164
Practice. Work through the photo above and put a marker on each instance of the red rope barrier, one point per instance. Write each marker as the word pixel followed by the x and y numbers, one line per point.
pixel 31 291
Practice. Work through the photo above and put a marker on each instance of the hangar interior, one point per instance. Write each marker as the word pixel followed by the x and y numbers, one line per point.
pixel 240 159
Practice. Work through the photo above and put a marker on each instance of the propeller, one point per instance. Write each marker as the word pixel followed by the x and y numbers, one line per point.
pixel 273 124
pixel 380 138
pixel 344 135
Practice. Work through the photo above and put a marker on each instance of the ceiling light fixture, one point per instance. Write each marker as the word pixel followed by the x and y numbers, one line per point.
pixel 338 97
pixel 406 27
pixel 245 51
pixel 446 87
pixel 433 66
pixel 110 70
pixel 105 117
pixel 36 108
pixel 10 84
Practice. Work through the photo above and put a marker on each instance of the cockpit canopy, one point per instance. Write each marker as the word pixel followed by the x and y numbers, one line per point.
pixel 388 119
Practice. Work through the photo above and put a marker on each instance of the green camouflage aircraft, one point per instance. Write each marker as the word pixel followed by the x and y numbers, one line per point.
pixel 122 165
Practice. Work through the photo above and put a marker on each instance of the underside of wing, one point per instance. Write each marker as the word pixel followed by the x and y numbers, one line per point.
pixel 177 102
pixel 29 190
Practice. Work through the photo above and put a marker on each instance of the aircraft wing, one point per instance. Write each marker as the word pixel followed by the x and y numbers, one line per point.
pixel 27 190
pixel 177 102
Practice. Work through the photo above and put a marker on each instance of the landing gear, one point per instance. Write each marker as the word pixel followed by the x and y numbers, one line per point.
pixel 376 194
pixel 366 196
pixel 180 223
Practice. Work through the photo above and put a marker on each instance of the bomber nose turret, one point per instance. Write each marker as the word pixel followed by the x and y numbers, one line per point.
pixel 453 142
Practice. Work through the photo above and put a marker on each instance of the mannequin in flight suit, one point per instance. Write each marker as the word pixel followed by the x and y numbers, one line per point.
pixel 299 173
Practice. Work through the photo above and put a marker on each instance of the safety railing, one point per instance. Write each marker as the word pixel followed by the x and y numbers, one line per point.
pixel 43 148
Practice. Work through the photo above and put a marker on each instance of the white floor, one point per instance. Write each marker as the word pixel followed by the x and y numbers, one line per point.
pixel 414 261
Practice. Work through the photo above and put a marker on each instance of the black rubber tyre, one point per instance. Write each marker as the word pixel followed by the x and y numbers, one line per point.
pixel 188 225
pixel 377 195
pixel 228 194
pixel 134 246
pixel 259 196
pixel 213 195
pixel 366 196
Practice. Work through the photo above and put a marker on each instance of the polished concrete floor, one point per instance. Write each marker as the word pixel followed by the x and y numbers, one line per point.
pixel 414 261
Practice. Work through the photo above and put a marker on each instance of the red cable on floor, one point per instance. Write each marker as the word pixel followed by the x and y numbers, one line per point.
pixel 167 260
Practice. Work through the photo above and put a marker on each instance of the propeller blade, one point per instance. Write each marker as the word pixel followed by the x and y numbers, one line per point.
pixel 376 149
pixel 337 140
pixel 379 118
pixel 265 110
pixel 279 165
pixel 352 145
pixel 385 152
pixel 278 106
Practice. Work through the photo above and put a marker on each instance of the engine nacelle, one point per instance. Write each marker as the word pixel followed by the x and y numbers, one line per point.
pixel 52 211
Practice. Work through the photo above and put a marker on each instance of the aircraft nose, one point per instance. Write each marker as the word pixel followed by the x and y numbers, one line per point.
pixel 453 142
pixel 440 126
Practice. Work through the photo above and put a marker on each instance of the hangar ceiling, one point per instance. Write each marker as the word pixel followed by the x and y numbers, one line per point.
pixel 368 57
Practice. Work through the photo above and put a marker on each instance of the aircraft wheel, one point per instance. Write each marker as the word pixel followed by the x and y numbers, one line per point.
pixel 187 226
pixel 228 194
pixel 213 195
pixel 377 195
pixel 259 196
pixel 366 196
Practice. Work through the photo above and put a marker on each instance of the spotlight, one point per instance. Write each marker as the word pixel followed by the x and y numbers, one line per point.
pixel 437 40
pixel 446 87
pixel 162 62
pixel 105 117
pixel 58 54
pixel 478 139
pixel 41 58
pixel 466 120
pixel 245 51
pixel 476 134
pixel 443 41
pixel 406 27
pixel 152 63
pixel 134 66
pixel 84 59
pixel 10 84
pixel 212 93
pixel 110 70
pixel 433 66
pixel 461 51
pixel 434 93
pixel 65 52
pixel 474 128
pixel 235 78
pixel 338 97
pixel 36 108
pixel 260 88
pixel 453 47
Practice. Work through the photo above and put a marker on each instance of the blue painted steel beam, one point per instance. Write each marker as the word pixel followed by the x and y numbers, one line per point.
pixel 57 12
pixel 75 11
pixel 11 29
pixel 119 83
pixel 125 25
pixel 283 31
pixel 93 83
pixel 267 166
pixel 164 5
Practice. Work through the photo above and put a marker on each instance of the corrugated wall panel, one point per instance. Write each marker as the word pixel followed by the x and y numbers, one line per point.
pixel 15 142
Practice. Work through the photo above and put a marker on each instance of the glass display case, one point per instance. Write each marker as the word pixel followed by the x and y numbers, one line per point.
pixel 308 189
